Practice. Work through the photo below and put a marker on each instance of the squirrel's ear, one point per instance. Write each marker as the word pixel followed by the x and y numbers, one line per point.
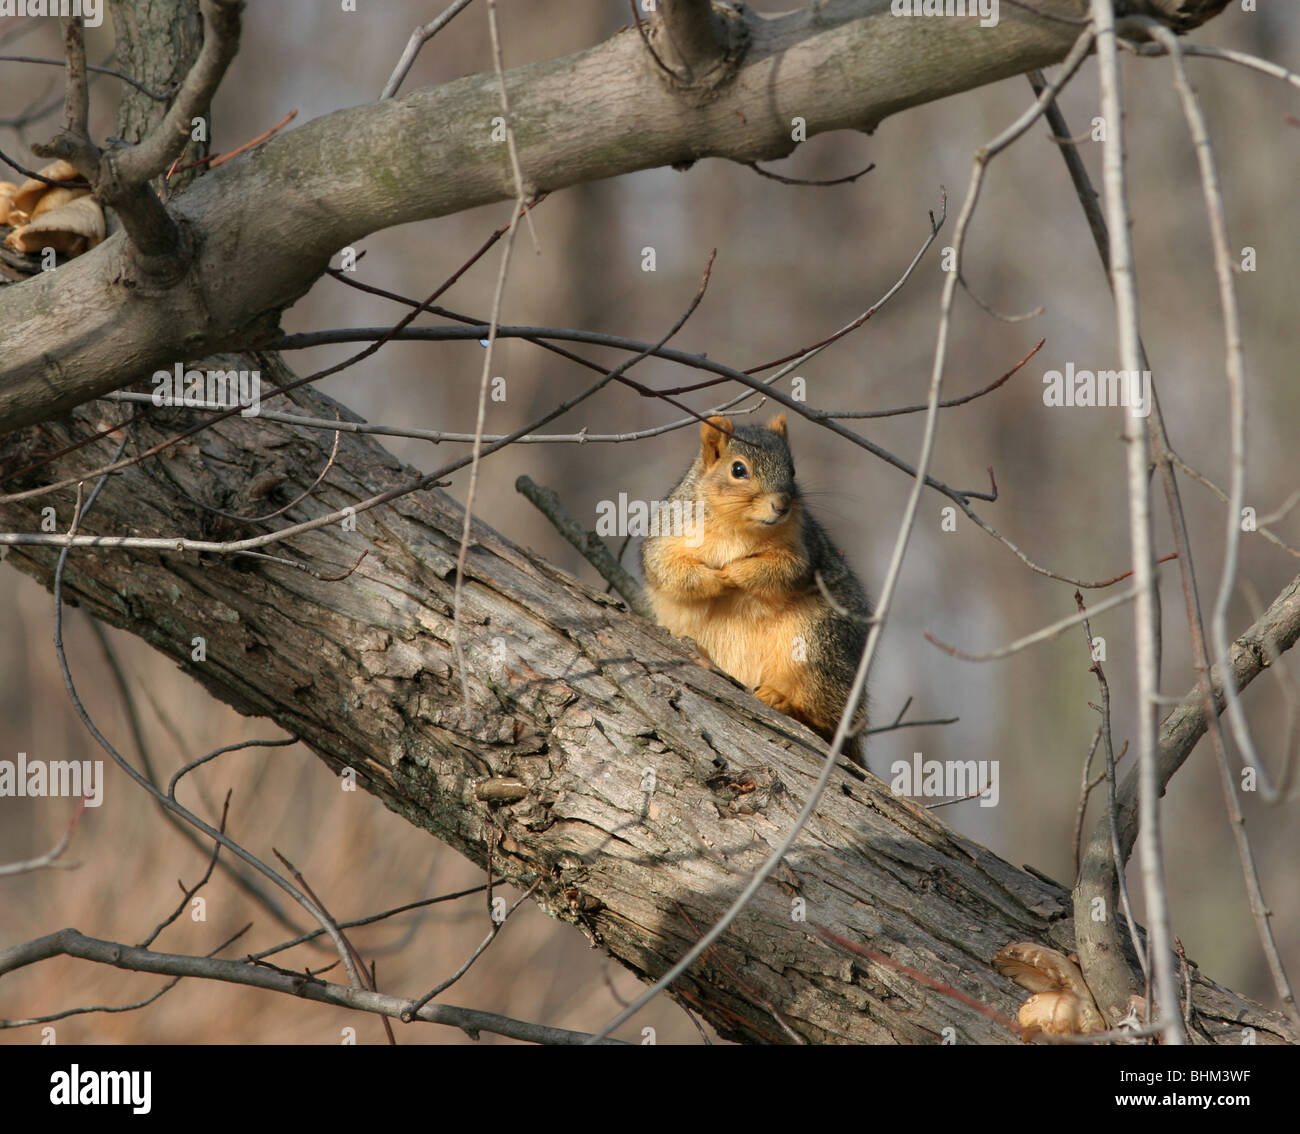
pixel 713 437
pixel 777 424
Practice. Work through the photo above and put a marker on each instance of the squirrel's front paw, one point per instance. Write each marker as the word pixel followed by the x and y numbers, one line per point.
pixel 774 697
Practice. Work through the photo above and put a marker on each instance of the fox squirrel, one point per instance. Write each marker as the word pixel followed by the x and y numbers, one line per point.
pixel 742 579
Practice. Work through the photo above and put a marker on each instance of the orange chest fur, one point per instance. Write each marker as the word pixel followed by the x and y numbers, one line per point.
pixel 760 639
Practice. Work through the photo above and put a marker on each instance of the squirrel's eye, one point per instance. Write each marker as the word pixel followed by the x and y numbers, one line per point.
pixel 738 470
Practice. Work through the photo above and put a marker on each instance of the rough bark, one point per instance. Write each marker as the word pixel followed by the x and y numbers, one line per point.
pixel 578 700
pixel 156 43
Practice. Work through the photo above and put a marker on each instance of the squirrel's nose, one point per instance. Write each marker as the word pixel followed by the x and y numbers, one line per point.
pixel 781 503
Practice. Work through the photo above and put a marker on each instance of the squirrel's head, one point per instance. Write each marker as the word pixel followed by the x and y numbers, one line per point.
pixel 749 471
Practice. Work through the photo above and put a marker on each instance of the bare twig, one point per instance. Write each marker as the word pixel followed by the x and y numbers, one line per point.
pixel 89 67
pixel 76 97
pixel 71 943
pixel 1103 929
pixel 1146 615
pixel 51 857
pixel 1166 460
pixel 589 545
pixel 846 180
pixel 1202 479
pixel 1234 372
pixel 414 1010
pixel 188 892
pixel 134 1006
pixel 1043 635
pixel 423 903
pixel 418 39
pixel 948 403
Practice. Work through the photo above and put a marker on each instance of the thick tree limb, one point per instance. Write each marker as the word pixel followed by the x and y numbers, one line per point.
pixel 655 786
pixel 846 65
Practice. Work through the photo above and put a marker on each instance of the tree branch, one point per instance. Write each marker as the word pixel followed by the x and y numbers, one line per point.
pixel 652 786
pixel 72 943
pixel 323 173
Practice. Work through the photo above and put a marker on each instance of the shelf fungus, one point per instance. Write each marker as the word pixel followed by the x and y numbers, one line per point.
pixel 66 219
pixel 1061 1004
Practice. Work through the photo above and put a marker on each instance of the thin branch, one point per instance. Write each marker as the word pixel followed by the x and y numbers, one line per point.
pixel 136 165
pixel 1042 635
pixel 71 943
pixel 522 194
pixel 188 893
pixel 134 1006
pixel 1234 372
pixel 31 174
pixel 437 990
pixel 1226 55
pixel 418 39
pixel 213 161
pixel 76 96
pixel 948 403
pixel 898 721
pixel 357 973
pixel 437 436
pixel 1200 478
pixel 1166 459
pixel 51 857
pixel 89 67
pixel 462 553
pixel 1000 316
pixel 236 747
pixel 423 903
pixel 1146 615
pixel 589 545
pixel 1104 928
pixel 847 180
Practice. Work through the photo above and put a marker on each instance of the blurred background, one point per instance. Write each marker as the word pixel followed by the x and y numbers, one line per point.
pixel 793 265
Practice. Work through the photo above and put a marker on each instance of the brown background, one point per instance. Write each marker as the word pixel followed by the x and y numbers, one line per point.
pixel 793 265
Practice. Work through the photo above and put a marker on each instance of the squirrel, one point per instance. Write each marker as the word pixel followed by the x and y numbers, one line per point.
pixel 742 580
